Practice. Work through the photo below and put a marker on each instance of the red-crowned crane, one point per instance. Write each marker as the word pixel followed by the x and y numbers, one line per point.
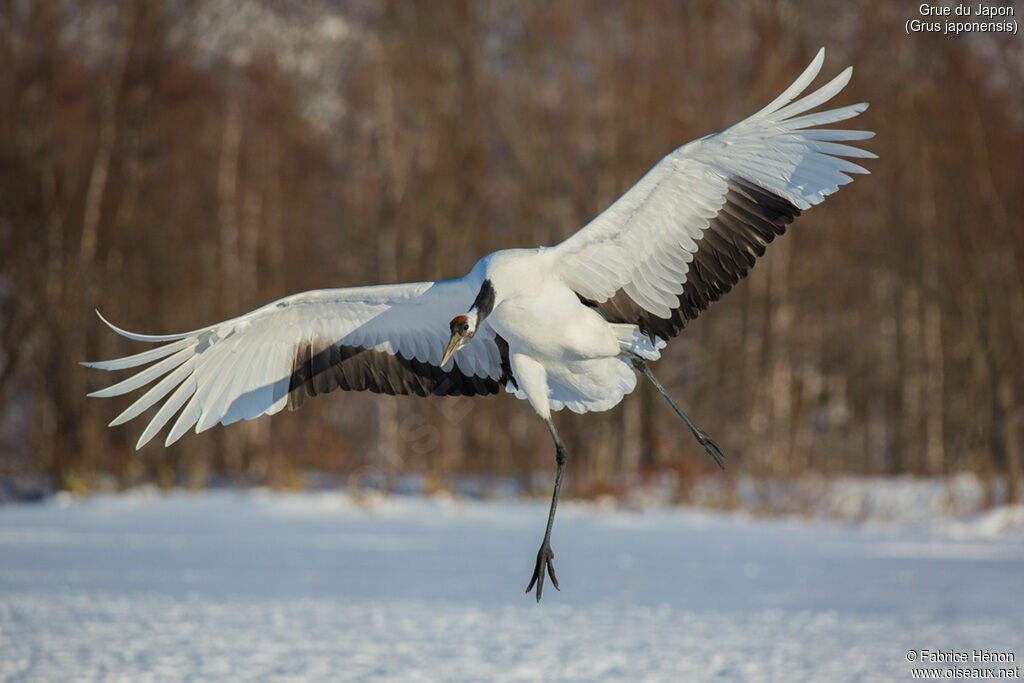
pixel 562 326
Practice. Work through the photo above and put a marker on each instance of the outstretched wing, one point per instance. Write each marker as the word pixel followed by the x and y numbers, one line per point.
pixel 695 224
pixel 387 339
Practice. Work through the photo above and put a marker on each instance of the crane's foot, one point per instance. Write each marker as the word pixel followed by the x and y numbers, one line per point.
pixel 544 563
pixel 710 446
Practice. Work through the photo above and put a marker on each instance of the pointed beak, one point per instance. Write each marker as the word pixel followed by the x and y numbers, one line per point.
pixel 453 345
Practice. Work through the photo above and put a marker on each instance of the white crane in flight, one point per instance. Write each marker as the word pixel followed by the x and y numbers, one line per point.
pixel 562 326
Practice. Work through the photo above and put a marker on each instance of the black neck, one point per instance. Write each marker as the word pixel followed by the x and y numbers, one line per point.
pixel 484 302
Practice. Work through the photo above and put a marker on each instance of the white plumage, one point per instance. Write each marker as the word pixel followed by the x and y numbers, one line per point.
pixel 563 326
pixel 645 240
pixel 643 245
pixel 241 368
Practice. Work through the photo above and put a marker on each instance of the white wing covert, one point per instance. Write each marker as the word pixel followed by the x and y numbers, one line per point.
pixel 386 339
pixel 696 222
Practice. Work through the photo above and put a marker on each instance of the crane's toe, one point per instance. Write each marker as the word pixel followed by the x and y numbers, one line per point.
pixel 545 559
pixel 710 446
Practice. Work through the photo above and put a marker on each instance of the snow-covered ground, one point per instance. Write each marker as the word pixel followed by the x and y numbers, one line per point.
pixel 258 585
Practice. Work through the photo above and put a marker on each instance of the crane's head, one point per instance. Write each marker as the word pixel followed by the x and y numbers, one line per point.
pixel 463 328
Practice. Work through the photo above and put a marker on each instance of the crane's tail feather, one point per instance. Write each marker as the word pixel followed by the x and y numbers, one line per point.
pixel 635 343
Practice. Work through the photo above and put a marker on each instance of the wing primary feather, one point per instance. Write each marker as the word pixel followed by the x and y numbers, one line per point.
pixel 157 392
pixel 147 337
pixel 189 416
pixel 836 149
pixel 797 87
pixel 145 376
pixel 822 118
pixel 193 410
pixel 139 358
pixel 206 372
pixel 819 96
pixel 835 134
pixel 223 382
pixel 167 411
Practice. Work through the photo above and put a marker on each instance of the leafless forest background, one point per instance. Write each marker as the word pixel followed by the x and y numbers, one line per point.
pixel 178 163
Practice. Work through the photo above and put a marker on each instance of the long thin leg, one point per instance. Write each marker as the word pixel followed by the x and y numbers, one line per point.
pixel 702 437
pixel 544 555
